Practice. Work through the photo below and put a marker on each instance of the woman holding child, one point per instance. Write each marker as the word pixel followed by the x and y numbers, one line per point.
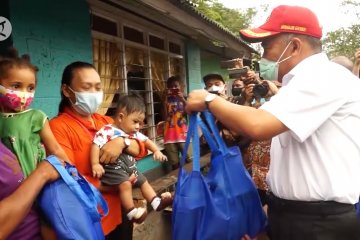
pixel 75 127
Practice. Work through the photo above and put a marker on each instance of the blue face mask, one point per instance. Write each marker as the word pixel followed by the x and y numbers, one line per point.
pixel 87 102
pixel 269 69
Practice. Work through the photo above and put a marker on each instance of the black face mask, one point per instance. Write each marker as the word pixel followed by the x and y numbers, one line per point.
pixel 236 91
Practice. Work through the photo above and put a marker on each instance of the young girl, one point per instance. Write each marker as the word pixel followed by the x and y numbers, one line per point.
pixel 23 130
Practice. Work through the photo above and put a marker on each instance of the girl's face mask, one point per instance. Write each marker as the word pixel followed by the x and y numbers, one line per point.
pixel 15 100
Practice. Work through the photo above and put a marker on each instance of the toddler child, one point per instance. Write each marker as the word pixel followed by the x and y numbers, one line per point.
pixel 130 114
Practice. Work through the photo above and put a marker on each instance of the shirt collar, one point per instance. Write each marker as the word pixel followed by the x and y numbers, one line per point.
pixel 303 65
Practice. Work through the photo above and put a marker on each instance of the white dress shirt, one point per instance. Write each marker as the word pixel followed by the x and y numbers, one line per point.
pixel 319 157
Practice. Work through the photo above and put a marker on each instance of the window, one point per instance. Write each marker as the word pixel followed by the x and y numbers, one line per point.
pixel 159 72
pixel 130 64
pixel 156 42
pixel 103 25
pixel 133 35
pixel 138 81
pixel 107 61
pixel 174 48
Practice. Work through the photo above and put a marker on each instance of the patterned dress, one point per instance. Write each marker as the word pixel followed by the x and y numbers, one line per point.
pixel 258 153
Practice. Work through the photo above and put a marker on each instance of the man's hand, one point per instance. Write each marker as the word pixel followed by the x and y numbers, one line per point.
pixel 239 63
pixel 248 94
pixel 196 101
pixel 159 156
pixel 251 78
pixel 112 150
pixel 97 170
pixel 273 89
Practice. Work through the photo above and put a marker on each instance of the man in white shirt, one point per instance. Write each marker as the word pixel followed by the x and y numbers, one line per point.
pixel 314 121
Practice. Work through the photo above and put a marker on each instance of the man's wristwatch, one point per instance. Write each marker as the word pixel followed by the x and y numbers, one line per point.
pixel 209 98
pixel 127 142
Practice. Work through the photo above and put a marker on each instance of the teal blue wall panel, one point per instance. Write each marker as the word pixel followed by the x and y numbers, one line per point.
pixel 212 65
pixel 147 163
pixel 54 33
pixel 193 61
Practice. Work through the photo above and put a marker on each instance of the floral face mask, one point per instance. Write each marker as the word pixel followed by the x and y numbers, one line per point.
pixel 15 100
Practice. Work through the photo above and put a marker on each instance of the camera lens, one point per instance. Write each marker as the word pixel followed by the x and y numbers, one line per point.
pixel 260 90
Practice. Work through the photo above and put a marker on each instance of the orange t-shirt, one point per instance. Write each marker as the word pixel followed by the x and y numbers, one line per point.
pixel 75 135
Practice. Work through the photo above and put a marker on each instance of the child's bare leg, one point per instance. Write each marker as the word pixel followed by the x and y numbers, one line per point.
pixel 147 191
pixel 125 191
pixel 156 202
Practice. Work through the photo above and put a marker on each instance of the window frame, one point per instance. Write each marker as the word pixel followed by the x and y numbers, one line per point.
pixel 122 43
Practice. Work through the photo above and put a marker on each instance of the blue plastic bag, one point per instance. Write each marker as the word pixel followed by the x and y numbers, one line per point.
pixel 224 204
pixel 71 203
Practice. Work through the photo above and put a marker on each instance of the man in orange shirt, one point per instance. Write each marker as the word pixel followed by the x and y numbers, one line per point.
pixel 75 127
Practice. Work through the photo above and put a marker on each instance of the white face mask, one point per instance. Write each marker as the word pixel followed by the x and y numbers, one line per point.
pixel 269 69
pixel 216 89
pixel 87 103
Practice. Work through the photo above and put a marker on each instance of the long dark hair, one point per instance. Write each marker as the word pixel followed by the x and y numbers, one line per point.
pixel 67 78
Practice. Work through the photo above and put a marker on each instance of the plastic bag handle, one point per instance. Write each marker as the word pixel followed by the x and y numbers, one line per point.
pixel 208 137
pixel 215 131
pixel 91 199
pixel 194 135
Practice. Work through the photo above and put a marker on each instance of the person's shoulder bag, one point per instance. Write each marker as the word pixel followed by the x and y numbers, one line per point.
pixel 71 204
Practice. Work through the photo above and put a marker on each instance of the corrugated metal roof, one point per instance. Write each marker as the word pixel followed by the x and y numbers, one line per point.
pixel 190 8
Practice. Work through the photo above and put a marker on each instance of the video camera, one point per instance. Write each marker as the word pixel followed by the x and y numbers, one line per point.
pixel 261 89
pixel 235 67
pixel 226 64
pixel 236 73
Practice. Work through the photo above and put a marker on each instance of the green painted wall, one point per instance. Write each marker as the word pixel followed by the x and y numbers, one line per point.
pixel 54 33
pixel 211 64
pixel 198 65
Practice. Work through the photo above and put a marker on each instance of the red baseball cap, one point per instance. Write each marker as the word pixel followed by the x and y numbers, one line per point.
pixel 284 18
